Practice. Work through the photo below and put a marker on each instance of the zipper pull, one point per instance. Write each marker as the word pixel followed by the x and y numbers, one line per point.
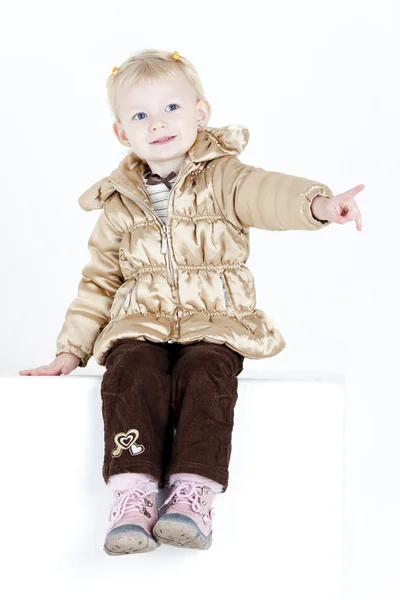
pixel 128 299
pixel 164 241
pixel 225 289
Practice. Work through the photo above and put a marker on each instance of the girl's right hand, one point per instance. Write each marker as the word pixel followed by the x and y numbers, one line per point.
pixel 63 364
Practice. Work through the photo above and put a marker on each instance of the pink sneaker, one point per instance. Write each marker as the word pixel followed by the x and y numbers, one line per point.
pixel 132 518
pixel 187 522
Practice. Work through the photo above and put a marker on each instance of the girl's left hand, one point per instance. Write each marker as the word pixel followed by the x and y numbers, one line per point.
pixel 339 209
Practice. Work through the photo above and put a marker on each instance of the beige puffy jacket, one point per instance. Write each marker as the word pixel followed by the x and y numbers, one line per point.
pixel 187 281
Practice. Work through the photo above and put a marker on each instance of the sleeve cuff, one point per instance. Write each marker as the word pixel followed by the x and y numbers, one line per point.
pixel 309 195
pixel 71 349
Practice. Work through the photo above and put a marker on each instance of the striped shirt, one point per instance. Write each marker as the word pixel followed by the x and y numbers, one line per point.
pixel 159 196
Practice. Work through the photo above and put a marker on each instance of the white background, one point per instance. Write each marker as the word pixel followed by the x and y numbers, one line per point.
pixel 317 84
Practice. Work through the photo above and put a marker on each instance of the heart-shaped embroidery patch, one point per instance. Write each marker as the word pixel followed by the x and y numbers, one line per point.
pixel 136 449
pixel 126 441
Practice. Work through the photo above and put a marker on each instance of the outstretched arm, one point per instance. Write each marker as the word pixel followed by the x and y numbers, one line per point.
pixel 252 197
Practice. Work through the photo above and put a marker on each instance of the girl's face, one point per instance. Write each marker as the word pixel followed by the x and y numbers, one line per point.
pixel 157 109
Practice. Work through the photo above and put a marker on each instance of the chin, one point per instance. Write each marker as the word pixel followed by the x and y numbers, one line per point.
pixel 168 152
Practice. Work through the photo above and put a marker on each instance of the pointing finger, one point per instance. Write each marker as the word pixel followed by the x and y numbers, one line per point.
pixel 355 190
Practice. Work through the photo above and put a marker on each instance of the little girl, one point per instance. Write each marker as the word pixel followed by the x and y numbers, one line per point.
pixel 167 303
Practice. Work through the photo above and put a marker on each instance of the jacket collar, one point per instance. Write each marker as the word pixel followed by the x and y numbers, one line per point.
pixel 211 143
pixel 214 142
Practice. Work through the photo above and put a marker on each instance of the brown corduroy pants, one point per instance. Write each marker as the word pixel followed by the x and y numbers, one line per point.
pixel 169 408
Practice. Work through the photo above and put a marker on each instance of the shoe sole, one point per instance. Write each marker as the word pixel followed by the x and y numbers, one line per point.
pixel 129 539
pixel 179 530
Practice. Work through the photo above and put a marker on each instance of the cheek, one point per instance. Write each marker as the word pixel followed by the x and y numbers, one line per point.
pixel 186 120
pixel 188 127
pixel 138 135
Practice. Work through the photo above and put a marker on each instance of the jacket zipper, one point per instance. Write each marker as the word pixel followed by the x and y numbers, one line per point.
pixel 164 245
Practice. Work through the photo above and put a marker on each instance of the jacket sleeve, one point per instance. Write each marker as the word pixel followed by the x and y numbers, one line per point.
pixel 252 197
pixel 101 277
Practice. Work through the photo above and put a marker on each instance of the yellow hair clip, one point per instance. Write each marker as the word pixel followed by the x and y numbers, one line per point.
pixel 115 69
pixel 176 55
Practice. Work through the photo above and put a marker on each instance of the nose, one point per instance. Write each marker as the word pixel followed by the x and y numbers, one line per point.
pixel 158 124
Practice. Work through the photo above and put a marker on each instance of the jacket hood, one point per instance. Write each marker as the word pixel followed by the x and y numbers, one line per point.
pixel 211 143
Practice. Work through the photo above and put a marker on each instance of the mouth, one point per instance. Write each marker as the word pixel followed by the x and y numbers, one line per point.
pixel 164 140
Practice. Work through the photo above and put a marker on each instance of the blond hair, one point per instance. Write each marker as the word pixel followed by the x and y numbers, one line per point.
pixel 147 65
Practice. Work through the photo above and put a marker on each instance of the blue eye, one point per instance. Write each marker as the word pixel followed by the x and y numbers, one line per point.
pixel 141 113
pixel 176 106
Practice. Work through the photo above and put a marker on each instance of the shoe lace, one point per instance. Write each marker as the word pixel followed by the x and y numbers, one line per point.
pixel 190 493
pixel 129 501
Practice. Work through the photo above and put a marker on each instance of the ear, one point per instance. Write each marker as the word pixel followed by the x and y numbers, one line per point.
pixel 203 112
pixel 120 133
